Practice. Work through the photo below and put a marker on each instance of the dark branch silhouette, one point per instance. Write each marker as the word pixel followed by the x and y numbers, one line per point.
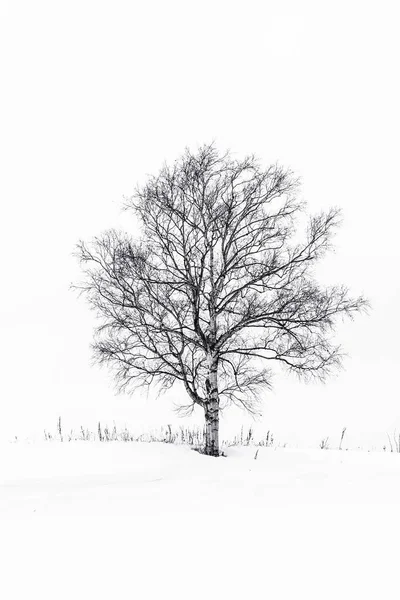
pixel 219 285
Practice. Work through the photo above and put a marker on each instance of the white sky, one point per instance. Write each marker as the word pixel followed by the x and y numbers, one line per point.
pixel 95 95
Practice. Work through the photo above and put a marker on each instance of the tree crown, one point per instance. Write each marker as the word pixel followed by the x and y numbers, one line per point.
pixel 219 278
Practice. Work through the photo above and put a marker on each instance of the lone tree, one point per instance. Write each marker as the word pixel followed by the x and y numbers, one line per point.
pixel 219 285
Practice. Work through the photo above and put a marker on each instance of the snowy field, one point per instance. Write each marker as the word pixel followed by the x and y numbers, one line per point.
pixel 87 520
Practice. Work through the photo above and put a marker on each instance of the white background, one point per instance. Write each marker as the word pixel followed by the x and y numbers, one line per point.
pixel 95 95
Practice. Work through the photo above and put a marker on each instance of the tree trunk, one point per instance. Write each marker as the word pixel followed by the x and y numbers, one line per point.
pixel 212 429
pixel 211 410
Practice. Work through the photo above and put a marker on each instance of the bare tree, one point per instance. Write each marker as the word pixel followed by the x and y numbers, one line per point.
pixel 219 285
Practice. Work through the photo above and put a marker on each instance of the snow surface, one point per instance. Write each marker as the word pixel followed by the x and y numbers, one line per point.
pixel 90 520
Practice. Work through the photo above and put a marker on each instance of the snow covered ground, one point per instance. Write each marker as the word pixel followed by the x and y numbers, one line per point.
pixel 90 520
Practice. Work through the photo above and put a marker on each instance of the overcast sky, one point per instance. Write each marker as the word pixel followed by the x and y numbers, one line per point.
pixel 96 95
